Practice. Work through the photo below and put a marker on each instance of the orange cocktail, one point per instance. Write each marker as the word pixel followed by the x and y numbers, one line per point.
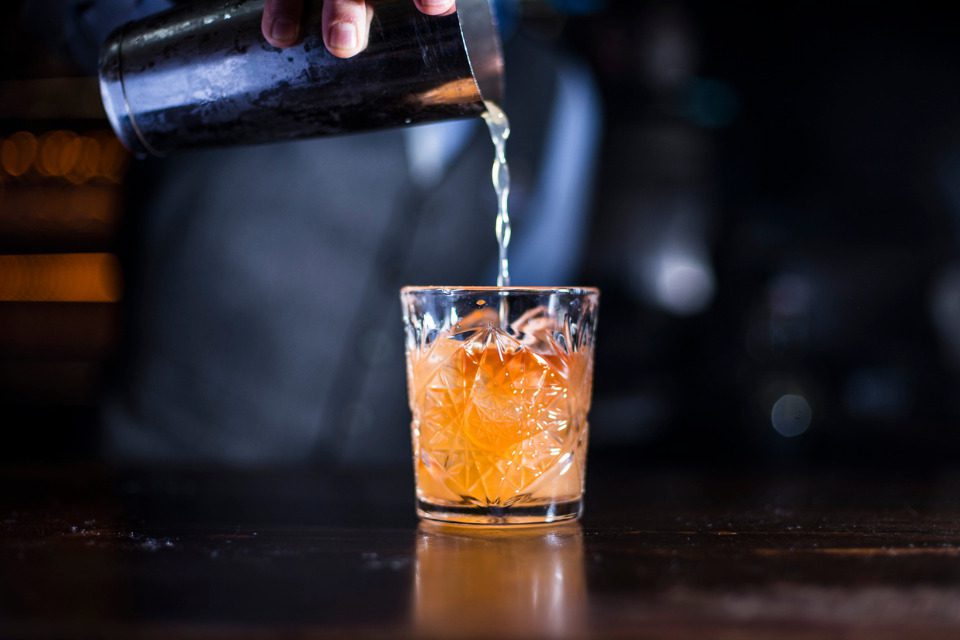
pixel 499 383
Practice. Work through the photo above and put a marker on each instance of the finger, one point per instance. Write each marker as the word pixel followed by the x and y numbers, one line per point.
pixel 346 26
pixel 436 7
pixel 281 22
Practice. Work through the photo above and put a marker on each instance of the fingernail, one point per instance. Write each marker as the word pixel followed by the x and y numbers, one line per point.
pixel 284 30
pixel 343 35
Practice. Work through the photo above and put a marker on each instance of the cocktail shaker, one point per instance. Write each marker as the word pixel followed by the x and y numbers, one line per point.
pixel 202 75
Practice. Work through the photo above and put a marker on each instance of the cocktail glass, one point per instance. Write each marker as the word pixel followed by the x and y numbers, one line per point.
pixel 499 380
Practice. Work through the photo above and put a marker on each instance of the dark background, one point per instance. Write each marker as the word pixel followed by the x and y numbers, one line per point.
pixel 775 232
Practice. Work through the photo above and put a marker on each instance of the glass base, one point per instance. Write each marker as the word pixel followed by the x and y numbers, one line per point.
pixel 501 516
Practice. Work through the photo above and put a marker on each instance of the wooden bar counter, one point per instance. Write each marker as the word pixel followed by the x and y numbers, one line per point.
pixel 91 552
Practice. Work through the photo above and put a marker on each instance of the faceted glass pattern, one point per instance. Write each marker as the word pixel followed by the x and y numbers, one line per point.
pixel 499 382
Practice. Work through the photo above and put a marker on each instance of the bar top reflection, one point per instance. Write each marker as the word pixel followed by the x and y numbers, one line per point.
pixel 524 581
pixel 88 553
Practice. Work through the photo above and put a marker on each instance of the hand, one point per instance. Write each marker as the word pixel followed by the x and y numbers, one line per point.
pixel 346 23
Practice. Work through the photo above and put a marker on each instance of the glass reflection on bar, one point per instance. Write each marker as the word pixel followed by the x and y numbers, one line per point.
pixel 514 582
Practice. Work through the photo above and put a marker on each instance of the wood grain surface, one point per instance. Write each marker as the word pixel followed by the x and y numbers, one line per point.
pixel 91 552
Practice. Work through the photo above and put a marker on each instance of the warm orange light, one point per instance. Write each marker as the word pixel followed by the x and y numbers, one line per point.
pixel 18 152
pixel 76 277
pixel 46 158
pixel 69 155
pixel 56 153
pixel 88 159
pixel 113 159
pixel 64 154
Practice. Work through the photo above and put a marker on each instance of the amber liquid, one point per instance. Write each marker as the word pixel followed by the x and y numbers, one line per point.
pixel 499 423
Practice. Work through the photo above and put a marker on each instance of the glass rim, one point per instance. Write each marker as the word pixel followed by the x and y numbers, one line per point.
pixel 454 289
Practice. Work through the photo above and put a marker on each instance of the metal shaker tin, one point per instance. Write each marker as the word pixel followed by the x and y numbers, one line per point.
pixel 203 76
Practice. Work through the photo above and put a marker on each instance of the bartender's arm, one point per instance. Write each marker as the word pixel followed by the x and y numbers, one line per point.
pixel 346 23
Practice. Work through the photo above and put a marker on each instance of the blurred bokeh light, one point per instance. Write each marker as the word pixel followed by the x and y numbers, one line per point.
pixel 776 229
pixel 77 277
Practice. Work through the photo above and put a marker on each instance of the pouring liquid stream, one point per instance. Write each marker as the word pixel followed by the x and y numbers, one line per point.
pixel 499 127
